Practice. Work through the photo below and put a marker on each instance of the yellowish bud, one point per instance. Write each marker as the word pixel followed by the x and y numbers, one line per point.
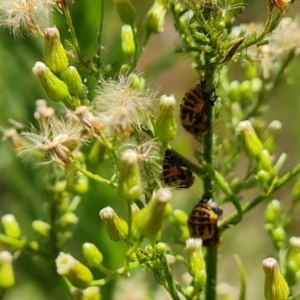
pixel 7 277
pixel 55 56
pixel 129 187
pixel 11 226
pixel 128 43
pixel 92 255
pixel 276 287
pixel 116 227
pixel 165 126
pixel 148 220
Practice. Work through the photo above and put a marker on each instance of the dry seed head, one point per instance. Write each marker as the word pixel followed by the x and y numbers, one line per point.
pixel 42 113
pixel 141 104
pixel 17 142
pixel 280 4
pixel 56 142
pixel 120 123
pixel 24 15
pixel 92 125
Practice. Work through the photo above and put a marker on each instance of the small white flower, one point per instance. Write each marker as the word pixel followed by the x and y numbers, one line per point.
pixel 65 263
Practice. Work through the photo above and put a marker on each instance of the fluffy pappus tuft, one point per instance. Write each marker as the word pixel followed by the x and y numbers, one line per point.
pixel 141 104
pixel 24 15
pixel 53 143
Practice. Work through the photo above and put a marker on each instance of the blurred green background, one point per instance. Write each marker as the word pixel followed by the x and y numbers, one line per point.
pixel 22 189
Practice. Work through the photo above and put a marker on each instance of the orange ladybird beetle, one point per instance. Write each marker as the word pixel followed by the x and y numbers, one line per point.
pixel 203 220
pixel 175 173
pixel 191 115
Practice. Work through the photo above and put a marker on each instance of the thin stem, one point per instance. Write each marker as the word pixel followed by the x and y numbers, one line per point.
pixel 95 176
pixel 99 40
pixel 136 47
pixel 169 278
pixel 72 32
pixel 261 36
pixel 211 255
pixel 232 219
pixel 211 259
pixel 20 245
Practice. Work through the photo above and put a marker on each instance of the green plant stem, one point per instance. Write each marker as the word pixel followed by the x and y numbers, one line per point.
pixel 95 176
pixel 261 36
pixel 72 32
pixel 20 245
pixel 113 274
pixel 135 59
pixel 211 257
pixel 99 40
pixel 232 219
pixel 211 260
pixel 169 278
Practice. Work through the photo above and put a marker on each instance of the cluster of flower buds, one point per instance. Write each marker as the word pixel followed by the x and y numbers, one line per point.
pixel 61 82
pixel 292 266
pixel 196 263
pixel 274 223
pixel 259 149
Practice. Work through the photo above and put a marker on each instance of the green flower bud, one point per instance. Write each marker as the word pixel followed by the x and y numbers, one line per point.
pixel 271 135
pixel 276 287
pixel 256 85
pixel 180 217
pixel 72 79
pixel 279 236
pixel 130 187
pixel 165 126
pixel 252 145
pixel 41 227
pixel 55 56
pixel 126 11
pixel 93 257
pixel 116 227
pixel 263 177
pixel 125 69
pixel 296 192
pixel 7 277
pixel 149 219
pixel 137 82
pixel 80 184
pixel 55 88
pixel 264 161
pixel 91 293
pixel 272 213
pixel 155 18
pixel 97 153
pixel 128 43
pixel 237 114
pixel 246 89
pixel 160 248
pixel 195 260
pixel 293 261
pixel 77 273
pixel 68 219
pixel 234 91
pixel 11 226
